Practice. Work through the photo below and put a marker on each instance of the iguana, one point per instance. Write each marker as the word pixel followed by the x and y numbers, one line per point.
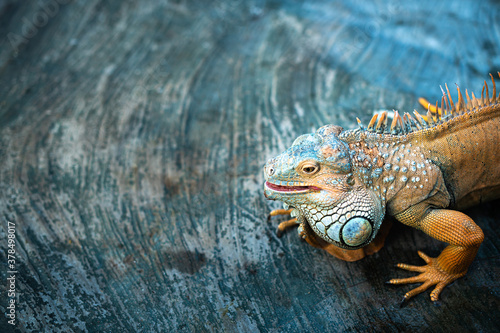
pixel 339 184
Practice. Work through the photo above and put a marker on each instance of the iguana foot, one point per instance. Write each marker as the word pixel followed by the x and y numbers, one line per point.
pixel 430 275
pixel 285 224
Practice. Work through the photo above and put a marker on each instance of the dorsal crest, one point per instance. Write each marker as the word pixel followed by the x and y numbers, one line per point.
pixel 402 125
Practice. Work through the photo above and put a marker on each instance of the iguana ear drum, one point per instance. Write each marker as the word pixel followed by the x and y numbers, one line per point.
pixel 356 231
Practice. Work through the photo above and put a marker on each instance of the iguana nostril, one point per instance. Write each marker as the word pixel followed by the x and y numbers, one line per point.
pixel 270 171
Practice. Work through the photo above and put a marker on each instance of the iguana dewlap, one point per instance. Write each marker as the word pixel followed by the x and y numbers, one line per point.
pixel 338 185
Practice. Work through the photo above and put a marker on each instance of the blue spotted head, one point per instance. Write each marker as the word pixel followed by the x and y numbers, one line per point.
pixel 315 177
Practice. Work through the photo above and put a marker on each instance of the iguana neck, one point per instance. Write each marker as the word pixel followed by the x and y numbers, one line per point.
pixel 391 166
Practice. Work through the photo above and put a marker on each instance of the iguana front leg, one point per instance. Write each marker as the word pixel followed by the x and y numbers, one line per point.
pixel 452 227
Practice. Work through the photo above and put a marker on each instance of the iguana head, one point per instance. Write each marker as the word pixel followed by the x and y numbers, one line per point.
pixel 315 176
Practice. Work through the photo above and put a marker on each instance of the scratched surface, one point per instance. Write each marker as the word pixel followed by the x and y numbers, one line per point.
pixel 132 140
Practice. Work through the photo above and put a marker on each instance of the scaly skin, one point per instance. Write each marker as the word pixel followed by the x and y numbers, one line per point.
pixel 338 185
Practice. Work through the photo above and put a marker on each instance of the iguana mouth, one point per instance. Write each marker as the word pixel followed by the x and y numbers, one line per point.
pixel 287 188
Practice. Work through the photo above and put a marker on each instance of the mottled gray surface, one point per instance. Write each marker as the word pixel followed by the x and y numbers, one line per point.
pixel 132 137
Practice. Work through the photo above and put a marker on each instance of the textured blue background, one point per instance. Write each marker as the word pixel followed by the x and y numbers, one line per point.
pixel 132 140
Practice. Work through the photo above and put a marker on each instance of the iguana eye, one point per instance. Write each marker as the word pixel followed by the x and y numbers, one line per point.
pixel 310 168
